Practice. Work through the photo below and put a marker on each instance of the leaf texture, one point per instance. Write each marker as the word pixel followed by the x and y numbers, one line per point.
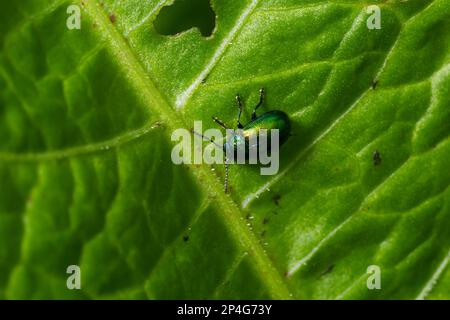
pixel 86 176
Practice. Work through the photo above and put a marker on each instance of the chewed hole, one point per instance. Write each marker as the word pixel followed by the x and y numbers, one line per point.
pixel 184 15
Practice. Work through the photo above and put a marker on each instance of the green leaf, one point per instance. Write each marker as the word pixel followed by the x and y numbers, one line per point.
pixel 86 176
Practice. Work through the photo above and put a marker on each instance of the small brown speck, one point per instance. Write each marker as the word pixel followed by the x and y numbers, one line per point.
pixel 328 270
pixel 374 84
pixel 376 157
pixel 276 199
pixel 112 18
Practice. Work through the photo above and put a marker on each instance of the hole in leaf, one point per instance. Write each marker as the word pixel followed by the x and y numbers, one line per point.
pixel 184 15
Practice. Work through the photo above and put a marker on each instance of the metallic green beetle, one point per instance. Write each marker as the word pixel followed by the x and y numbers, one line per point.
pixel 270 120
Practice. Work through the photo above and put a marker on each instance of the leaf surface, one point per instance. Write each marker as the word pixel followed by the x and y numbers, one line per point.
pixel 86 176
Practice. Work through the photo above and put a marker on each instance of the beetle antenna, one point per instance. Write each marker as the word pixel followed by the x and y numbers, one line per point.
pixel 226 175
pixel 206 138
pixel 219 146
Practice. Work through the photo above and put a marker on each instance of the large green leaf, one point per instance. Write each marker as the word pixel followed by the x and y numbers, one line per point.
pixel 86 176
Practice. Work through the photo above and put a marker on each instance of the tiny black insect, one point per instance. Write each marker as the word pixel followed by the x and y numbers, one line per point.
pixel 205 79
pixel 112 18
pixel 374 84
pixel 274 119
pixel 328 270
pixel 376 158
pixel 186 238
pixel 276 199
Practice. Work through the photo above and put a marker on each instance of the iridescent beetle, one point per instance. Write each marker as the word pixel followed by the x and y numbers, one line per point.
pixel 274 119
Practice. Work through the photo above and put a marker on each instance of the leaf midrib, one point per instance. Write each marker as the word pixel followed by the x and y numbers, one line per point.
pixel 229 213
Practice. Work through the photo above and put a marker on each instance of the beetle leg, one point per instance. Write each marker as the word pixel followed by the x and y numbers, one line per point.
pixel 241 107
pixel 261 101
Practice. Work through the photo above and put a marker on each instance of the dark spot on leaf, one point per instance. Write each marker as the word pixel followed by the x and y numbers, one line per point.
pixel 112 18
pixel 374 84
pixel 205 79
pixel 186 238
pixel 376 157
pixel 328 270
pixel 184 15
pixel 276 199
pixel 265 220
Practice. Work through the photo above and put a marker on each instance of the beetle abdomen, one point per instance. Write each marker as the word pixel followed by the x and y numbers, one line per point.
pixel 274 119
